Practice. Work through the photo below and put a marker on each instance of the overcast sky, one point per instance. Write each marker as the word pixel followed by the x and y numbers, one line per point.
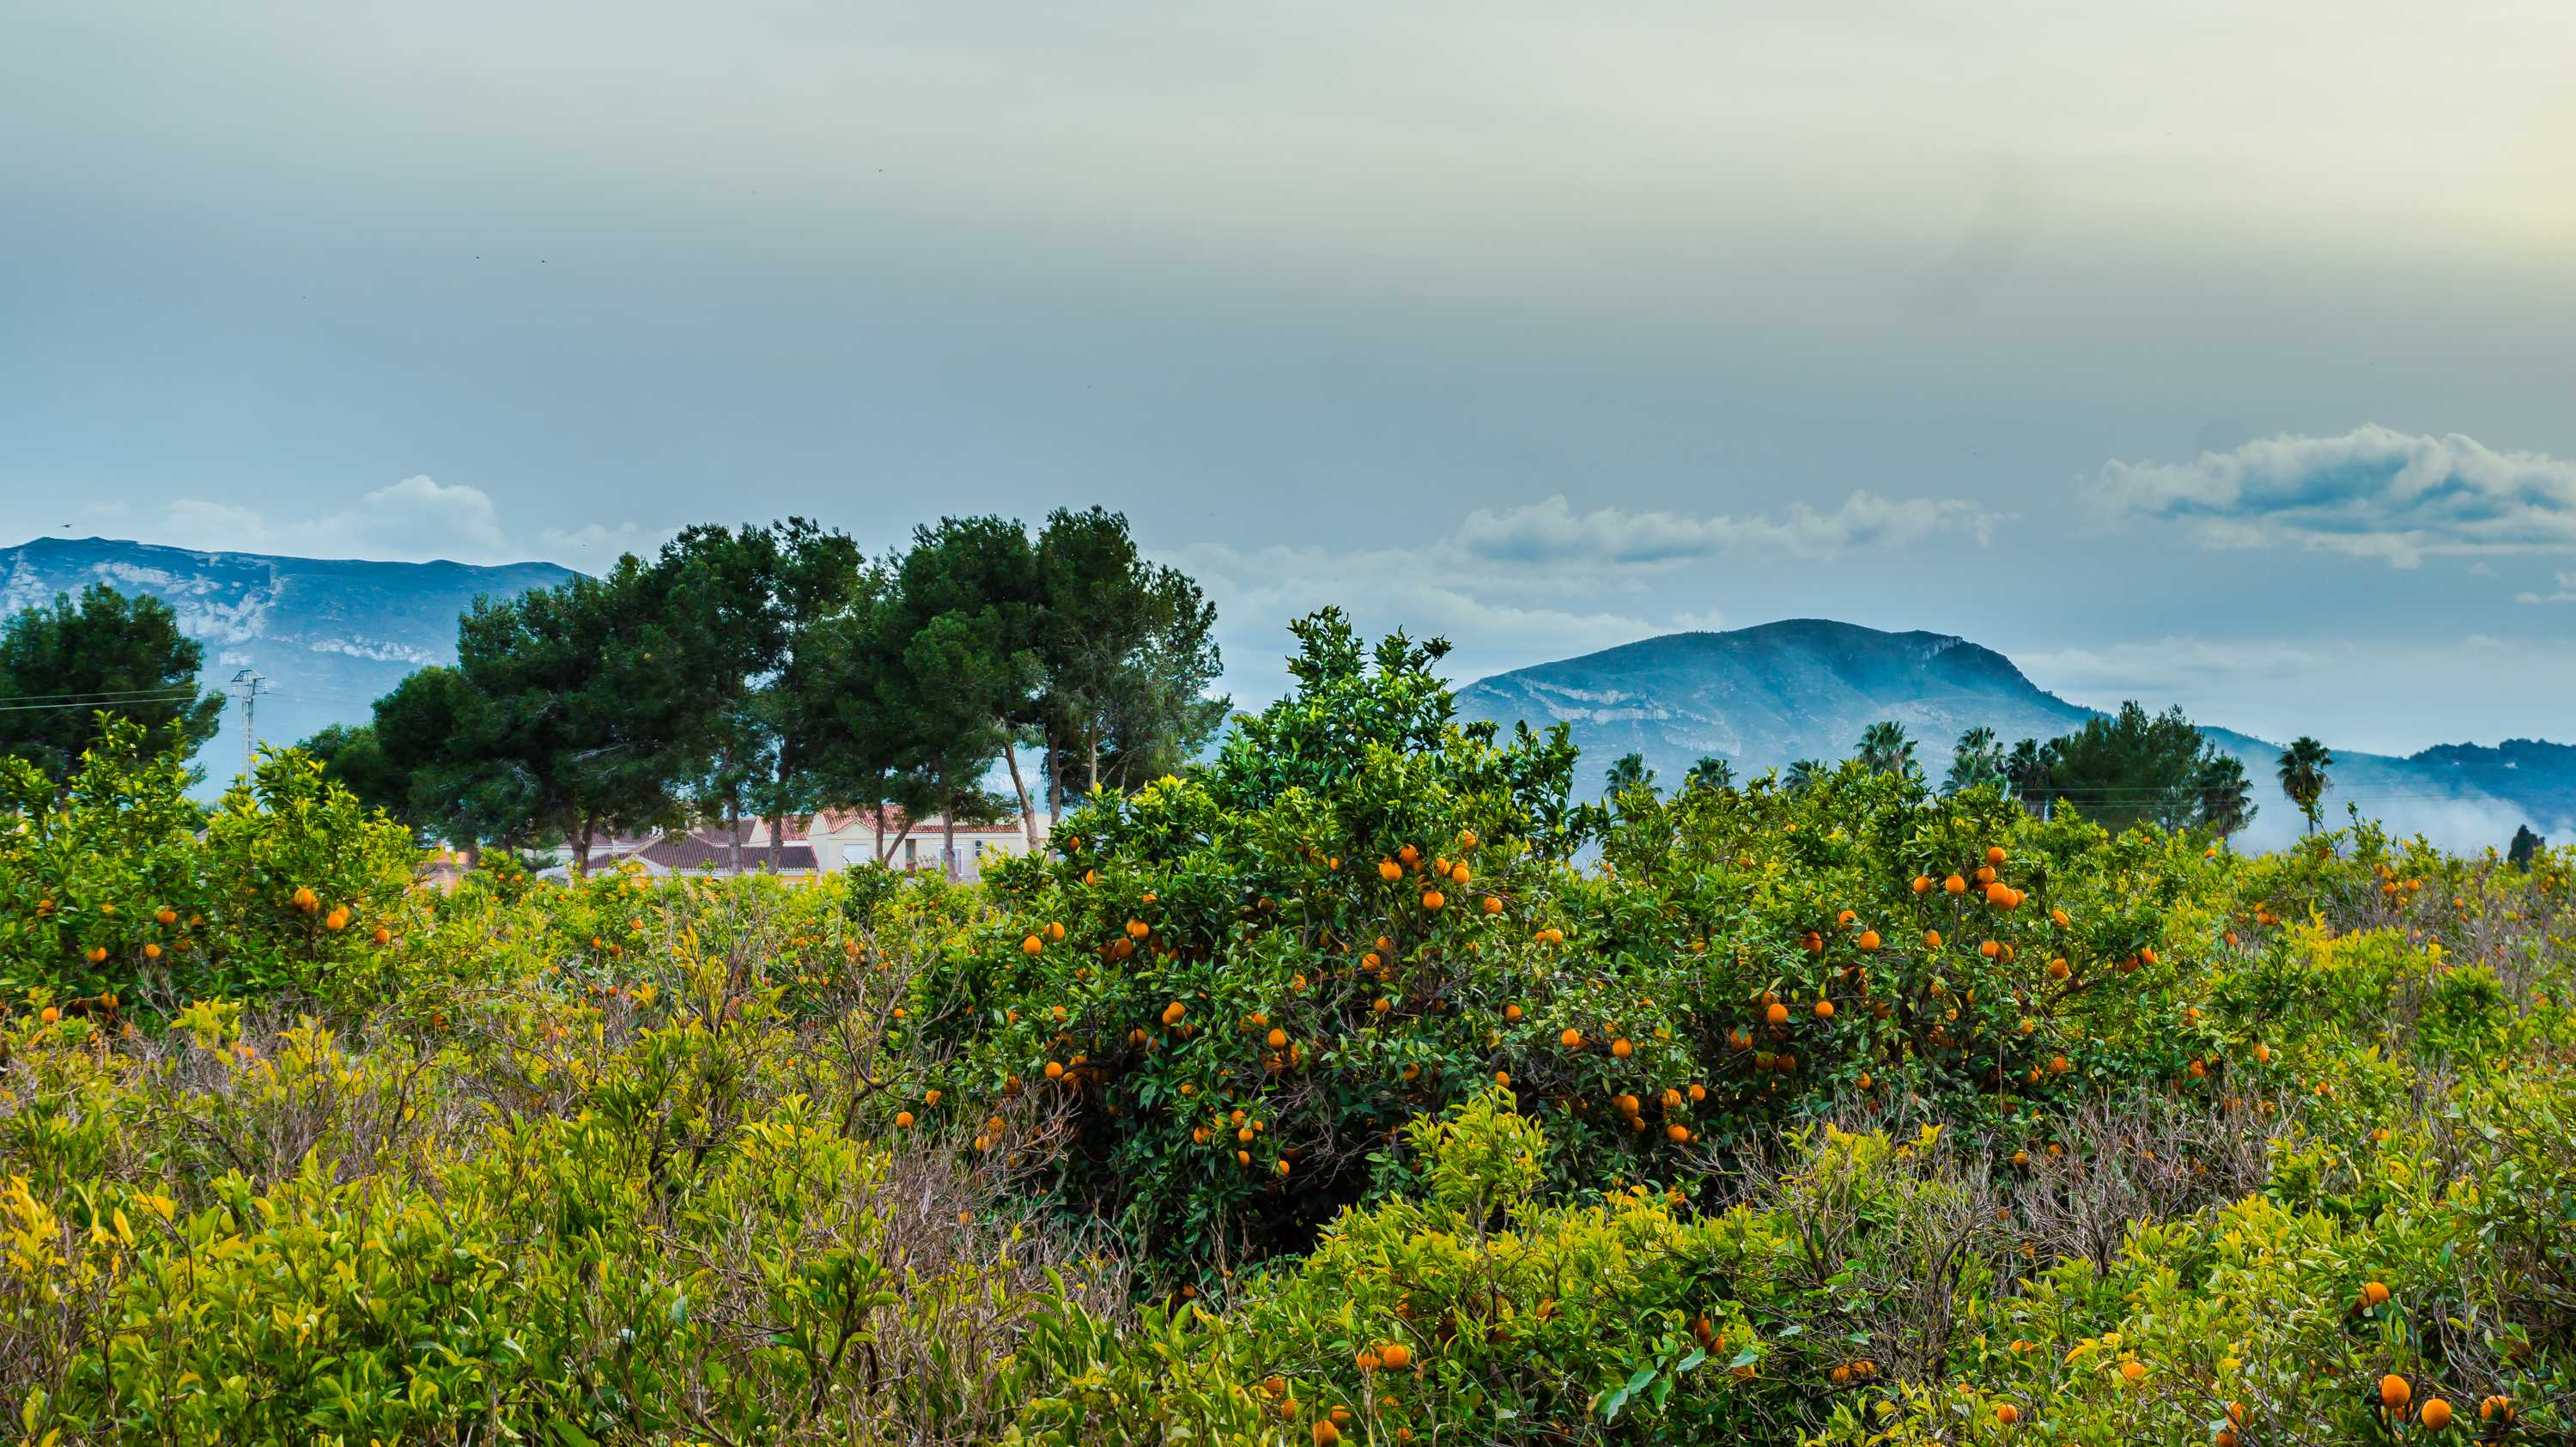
pixel 2201 352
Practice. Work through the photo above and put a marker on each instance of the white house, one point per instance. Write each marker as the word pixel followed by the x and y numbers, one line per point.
pixel 842 838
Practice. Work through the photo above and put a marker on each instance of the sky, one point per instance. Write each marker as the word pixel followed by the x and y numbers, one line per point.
pixel 2199 352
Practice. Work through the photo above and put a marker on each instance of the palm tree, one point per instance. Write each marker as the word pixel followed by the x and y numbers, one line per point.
pixel 2226 795
pixel 1711 773
pixel 2303 775
pixel 1803 776
pixel 2026 769
pixel 1884 748
pixel 1977 760
pixel 1629 771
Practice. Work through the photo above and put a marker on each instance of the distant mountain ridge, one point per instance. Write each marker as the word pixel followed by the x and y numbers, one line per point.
pixel 329 635
pixel 1766 696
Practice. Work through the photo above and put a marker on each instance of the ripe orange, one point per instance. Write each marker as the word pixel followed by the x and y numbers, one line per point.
pixel 1277 1039
pixel 1776 1013
pixel 2133 1372
pixel 903 1120
pixel 1621 1048
pixel 1931 939
pixel 1995 854
pixel 1869 940
pixel 1032 945
pixel 2436 1415
pixel 1824 1009
pixel 1954 885
pixel 1395 1356
pixel 2394 1393
pixel 1493 905
pixel 1433 899
pixel 1326 1434
pixel 2006 1414
pixel 1922 883
pixel 1572 1039
pixel 2374 1293
pixel 1173 1012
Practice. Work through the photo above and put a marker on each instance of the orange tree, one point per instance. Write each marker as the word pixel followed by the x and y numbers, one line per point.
pixel 117 894
pixel 1226 993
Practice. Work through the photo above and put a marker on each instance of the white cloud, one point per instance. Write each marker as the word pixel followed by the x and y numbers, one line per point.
pixel 415 520
pixel 594 546
pixel 2371 493
pixel 1553 534
pixel 1531 583
pixel 2566 592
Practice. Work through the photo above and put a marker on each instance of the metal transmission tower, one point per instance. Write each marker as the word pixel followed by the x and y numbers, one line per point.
pixel 248 683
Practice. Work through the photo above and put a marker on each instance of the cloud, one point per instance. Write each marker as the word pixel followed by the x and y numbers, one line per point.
pixel 415 520
pixel 2566 592
pixel 2371 493
pixel 1553 534
pixel 1532 583
pixel 594 546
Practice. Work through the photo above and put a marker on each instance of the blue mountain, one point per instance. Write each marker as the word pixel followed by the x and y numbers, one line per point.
pixel 1766 696
pixel 330 636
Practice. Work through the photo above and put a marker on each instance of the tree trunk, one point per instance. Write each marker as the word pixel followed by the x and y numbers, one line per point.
pixel 778 812
pixel 886 847
pixel 733 833
pixel 1055 781
pixel 581 847
pixel 948 842
pixel 1028 816
pixel 1094 740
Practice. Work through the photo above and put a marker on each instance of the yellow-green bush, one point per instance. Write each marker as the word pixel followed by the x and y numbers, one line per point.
pixel 727 1161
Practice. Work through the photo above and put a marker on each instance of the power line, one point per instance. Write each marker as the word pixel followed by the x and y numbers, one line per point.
pixel 109 704
pixel 109 693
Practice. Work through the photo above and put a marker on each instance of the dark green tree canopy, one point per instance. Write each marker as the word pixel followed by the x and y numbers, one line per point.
pixel 2134 768
pixel 64 666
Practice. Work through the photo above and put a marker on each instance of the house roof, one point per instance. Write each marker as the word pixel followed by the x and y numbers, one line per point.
pixel 709 849
pixel 866 821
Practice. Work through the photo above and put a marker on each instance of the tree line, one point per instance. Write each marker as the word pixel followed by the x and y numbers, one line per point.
pixel 773 671
pixel 2121 770
pixel 759 672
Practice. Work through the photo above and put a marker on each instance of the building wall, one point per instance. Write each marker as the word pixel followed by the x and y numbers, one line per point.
pixel 857 843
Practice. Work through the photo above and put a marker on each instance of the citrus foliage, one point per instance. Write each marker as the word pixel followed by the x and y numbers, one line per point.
pixel 1359 1086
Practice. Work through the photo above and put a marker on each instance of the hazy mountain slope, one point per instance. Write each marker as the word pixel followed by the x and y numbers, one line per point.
pixel 1805 688
pixel 329 636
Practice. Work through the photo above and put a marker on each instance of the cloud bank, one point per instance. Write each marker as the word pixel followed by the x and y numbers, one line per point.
pixel 2372 492
pixel 415 520
pixel 1541 581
